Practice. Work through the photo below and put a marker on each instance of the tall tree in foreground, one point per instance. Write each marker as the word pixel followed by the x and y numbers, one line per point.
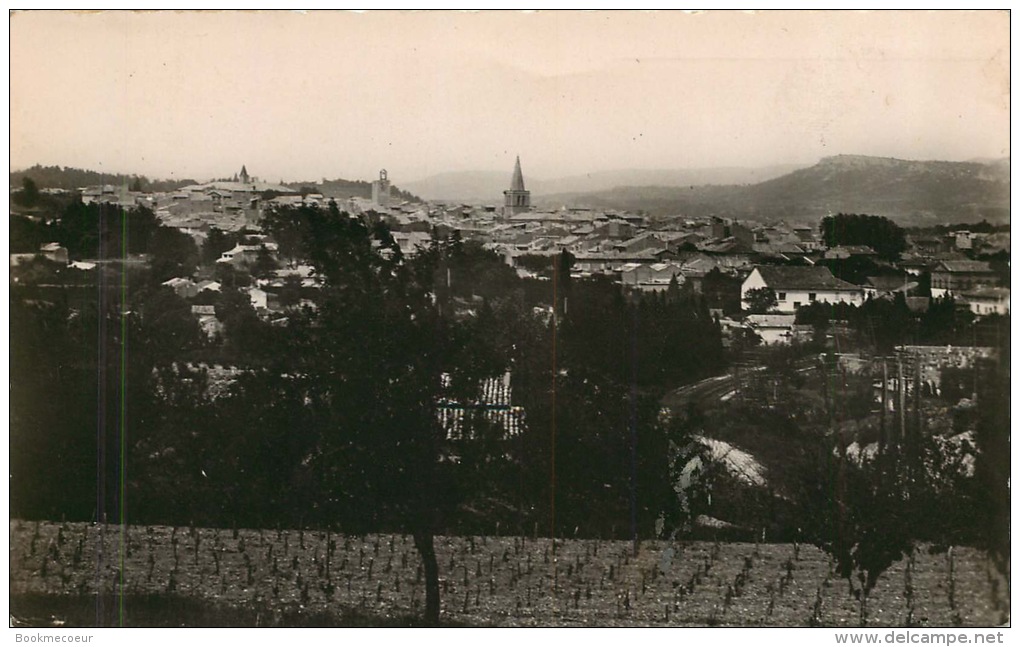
pixel 374 361
pixel 870 512
pixel 993 462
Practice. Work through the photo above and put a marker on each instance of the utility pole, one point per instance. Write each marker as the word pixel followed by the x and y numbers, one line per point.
pixel 901 405
pixel 915 440
pixel 825 392
pixel 552 452
pixel 633 430
pixel 883 439
pixel 736 376
pixel 973 328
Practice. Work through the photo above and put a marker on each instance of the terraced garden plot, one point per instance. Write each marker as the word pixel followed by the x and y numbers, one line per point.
pixel 501 581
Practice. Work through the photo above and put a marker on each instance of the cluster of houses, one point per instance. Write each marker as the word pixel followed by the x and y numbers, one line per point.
pixel 720 259
pixel 724 259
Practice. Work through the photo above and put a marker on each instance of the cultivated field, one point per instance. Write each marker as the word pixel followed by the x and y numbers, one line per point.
pixel 502 581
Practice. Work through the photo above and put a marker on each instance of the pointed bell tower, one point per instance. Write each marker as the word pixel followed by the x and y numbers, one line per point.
pixel 516 199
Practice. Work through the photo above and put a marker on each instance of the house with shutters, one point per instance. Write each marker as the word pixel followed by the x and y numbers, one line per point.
pixel 797 286
pixel 986 300
pixel 952 277
pixel 650 277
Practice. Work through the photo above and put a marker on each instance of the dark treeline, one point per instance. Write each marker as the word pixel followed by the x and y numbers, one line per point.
pixel 109 232
pixel 70 179
pixel 881 234
pixel 347 189
pixel 883 324
pixel 983 227
pixel 660 339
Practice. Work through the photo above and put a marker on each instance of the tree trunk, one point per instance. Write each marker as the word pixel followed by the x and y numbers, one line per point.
pixel 426 548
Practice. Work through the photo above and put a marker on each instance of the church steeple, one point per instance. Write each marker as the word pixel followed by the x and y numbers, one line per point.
pixel 517 183
pixel 516 199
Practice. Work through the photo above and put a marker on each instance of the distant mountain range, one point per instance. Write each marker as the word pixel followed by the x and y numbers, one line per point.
pixel 915 193
pixel 487 186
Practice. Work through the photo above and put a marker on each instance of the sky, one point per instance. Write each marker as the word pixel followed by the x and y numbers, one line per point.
pixel 306 96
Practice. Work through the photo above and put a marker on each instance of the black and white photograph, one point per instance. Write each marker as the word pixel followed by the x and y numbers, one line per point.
pixel 503 319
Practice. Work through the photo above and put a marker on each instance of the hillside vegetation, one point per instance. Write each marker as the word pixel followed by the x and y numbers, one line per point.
pixel 69 179
pixel 915 193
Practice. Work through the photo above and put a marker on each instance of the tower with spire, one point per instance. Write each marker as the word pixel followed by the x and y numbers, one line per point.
pixel 516 199
pixel 244 177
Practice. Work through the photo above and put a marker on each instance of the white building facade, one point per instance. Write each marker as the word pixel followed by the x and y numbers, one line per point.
pixel 797 286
